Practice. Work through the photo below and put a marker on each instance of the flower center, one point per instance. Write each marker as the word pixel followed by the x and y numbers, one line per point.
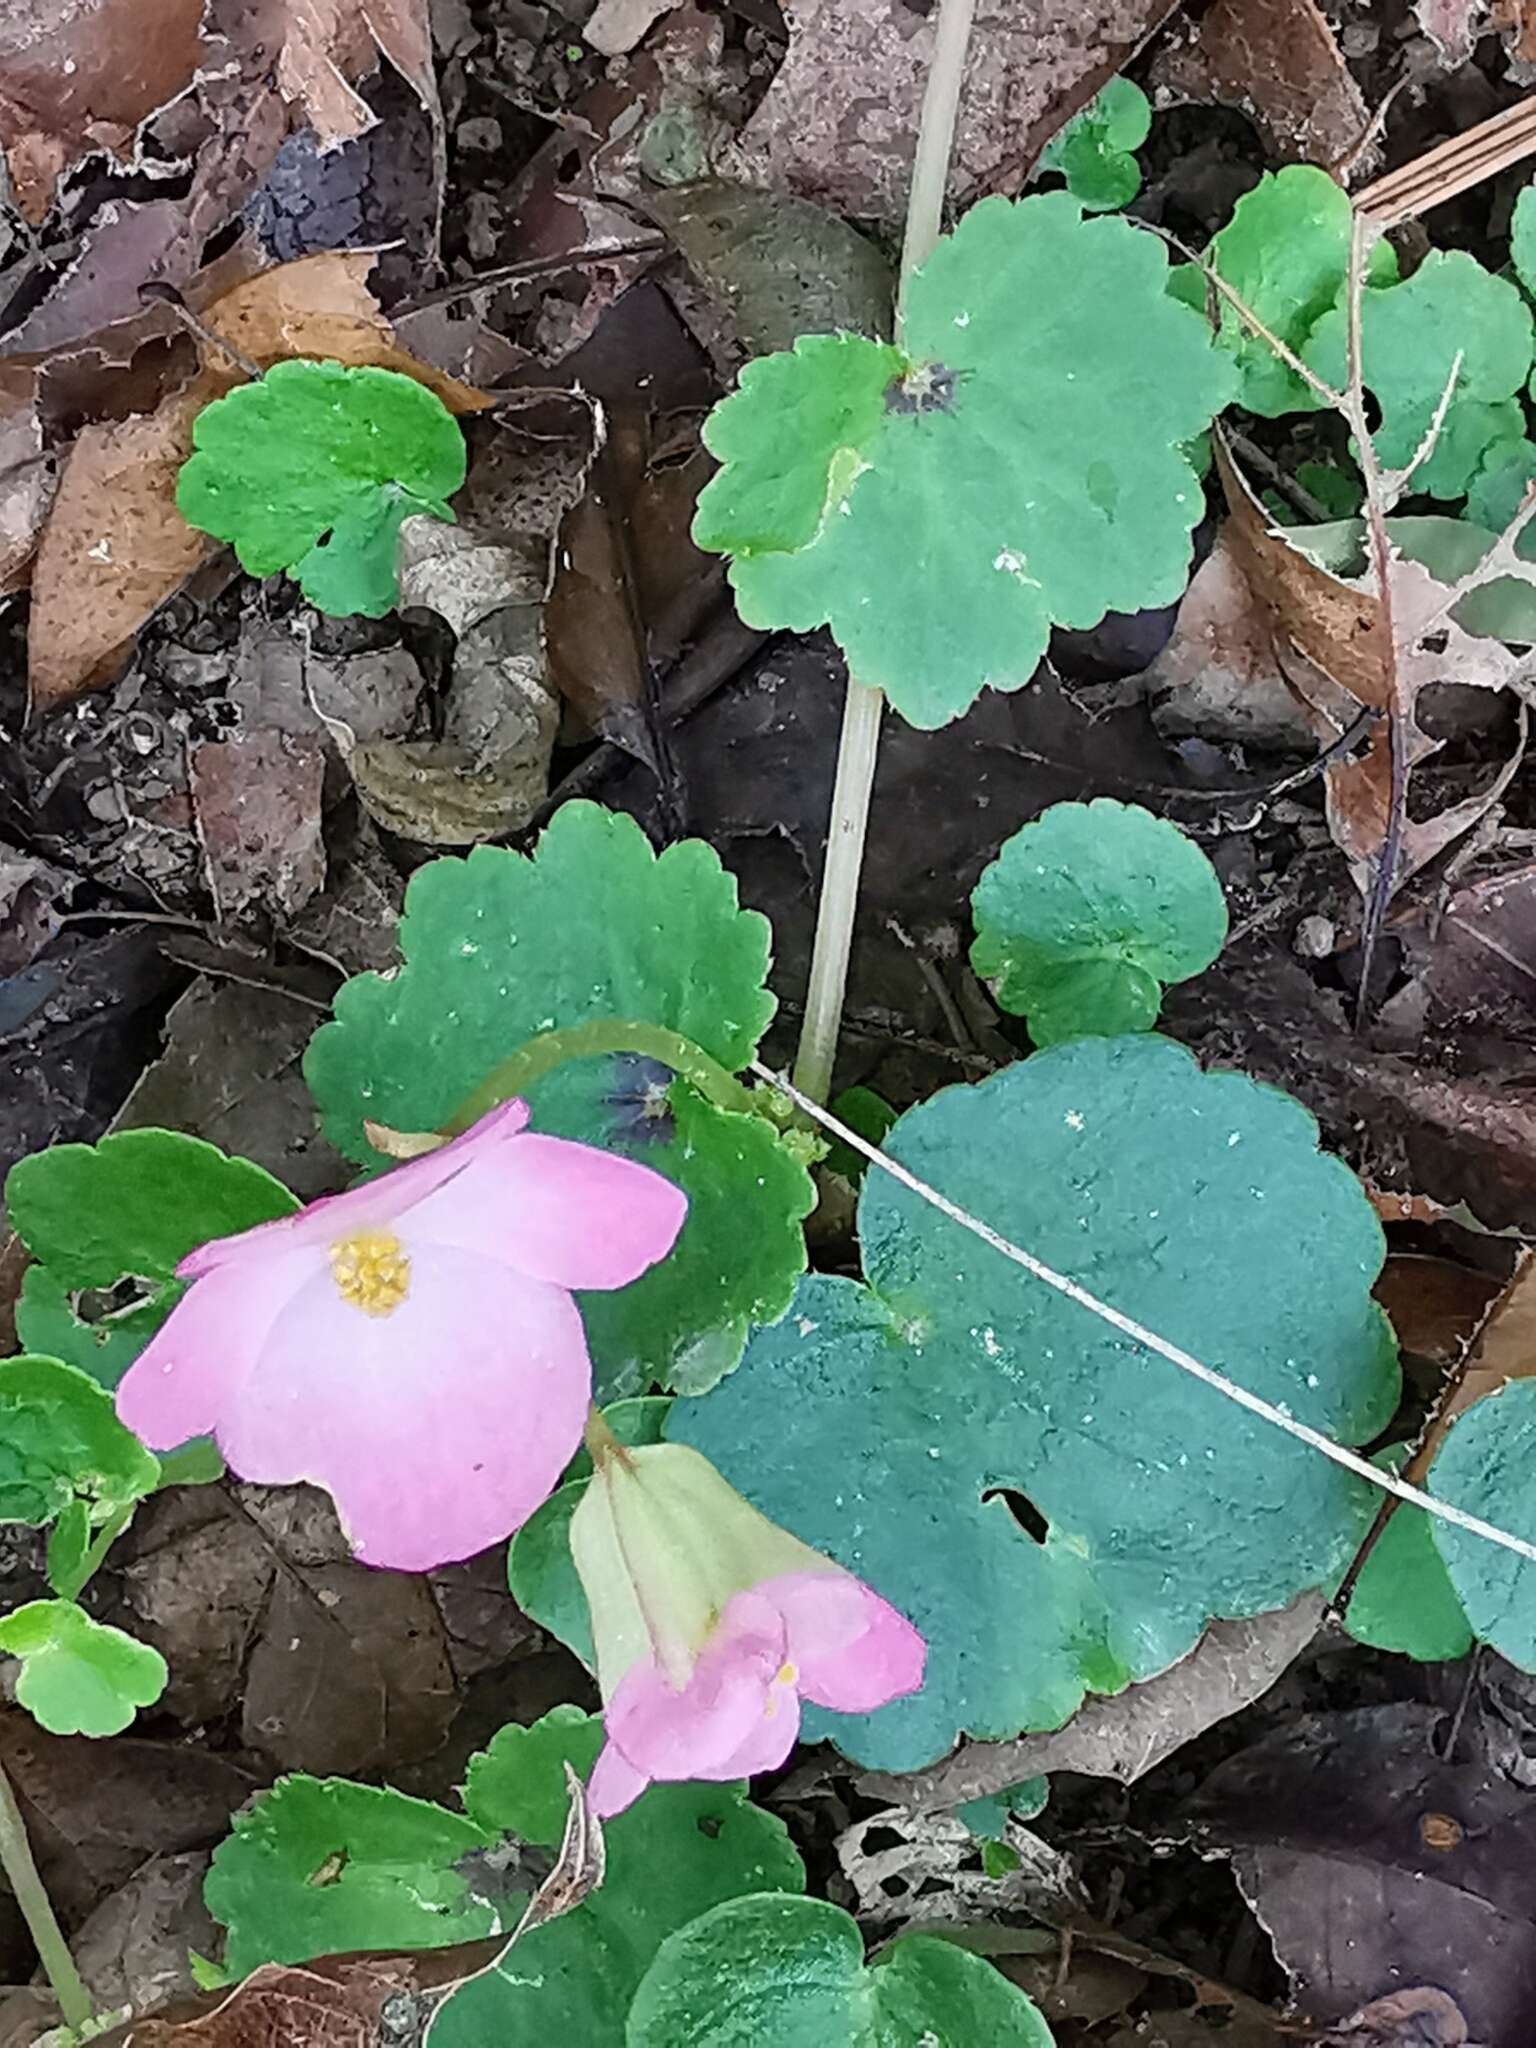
pixel 372 1271
pixel 785 1675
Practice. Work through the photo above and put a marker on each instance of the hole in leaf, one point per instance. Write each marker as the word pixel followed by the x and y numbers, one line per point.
pixel 1023 1511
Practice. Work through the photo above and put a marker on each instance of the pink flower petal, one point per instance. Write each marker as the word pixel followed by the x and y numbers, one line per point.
pixel 180 1382
pixel 438 1428
pixel 729 1720
pixel 558 1211
pixel 614 1784
pixel 852 1651
pixel 377 1202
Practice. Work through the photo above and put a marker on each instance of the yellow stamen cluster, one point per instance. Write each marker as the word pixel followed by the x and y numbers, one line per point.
pixel 372 1271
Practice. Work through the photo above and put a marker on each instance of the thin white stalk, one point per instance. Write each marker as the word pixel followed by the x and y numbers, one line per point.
pixel 859 747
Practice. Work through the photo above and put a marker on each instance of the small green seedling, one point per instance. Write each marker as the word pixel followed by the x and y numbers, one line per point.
pixel 313 468
pixel 1093 151
pixel 1088 913
pixel 79 1677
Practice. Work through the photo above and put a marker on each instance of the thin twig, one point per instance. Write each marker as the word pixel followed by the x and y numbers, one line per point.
pixel 1319 386
pixel 31 1895
pixel 1060 1283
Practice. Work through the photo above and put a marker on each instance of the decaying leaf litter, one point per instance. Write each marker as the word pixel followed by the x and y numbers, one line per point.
pixel 575 231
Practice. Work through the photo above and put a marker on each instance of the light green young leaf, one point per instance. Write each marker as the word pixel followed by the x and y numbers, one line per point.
pixel 1285 252
pixel 1504 475
pixel 498 948
pixel 1411 335
pixel 1093 151
pixel 1088 912
pixel 1031 457
pixel 679 1850
pixel 60 1440
pixel 312 469
pixel 79 1677
pixel 989 1817
pixel 516 1786
pixel 137 1203
pixel 1403 1599
pixel 1485 1466
pixel 318 1866
pixel 1522 239
pixel 881 1423
pixel 792 1971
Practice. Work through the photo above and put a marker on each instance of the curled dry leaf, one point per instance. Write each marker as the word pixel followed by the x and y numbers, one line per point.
pixel 115 546
pixel 322 47
pixel 80 75
pixel 1279 63
pixel 840 120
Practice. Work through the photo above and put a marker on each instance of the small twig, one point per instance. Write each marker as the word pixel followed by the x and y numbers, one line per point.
pixel 1395 481
pixel 530 268
pixel 1319 387
pixel 31 1895
pixel 167 295
pixel 1060 1283
pixel 1263 464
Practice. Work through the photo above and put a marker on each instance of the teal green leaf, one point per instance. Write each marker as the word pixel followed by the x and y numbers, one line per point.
pixel 1411 335
pixel 318 1866
pixel 499 948
pixel 1285 253
pixel 1093 151
pixel 1485 1466
pixel 862 1110
pixel 137 1203
pixel 828 395
pixel 1088 912
pixel 792 1971
pixel 1403 1599
pixel 48 1322
pixel 881 1423
pixel 679 1850
pixel 1030 457
pixel 1522 239
pixel 313 467
pixel 989 1817
pixel 516 1785
pixel 540 1569
pixel 1507 470
pixel 60 1440
pixel 79 1677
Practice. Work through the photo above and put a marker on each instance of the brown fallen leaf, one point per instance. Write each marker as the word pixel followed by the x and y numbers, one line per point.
pixel 257 800
pixel 1434 1304
pixel 1516 22
pixel 839 123
pixel 80 75
pixel 1279 63
pixel 115 546
pixel 1451 26
pixel 321 47
pixel 1481 971
pixel 1423 2018
pixel 1504 1349
pixel 27 474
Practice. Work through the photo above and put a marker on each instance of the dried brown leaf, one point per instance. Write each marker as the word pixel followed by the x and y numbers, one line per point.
pixel 1278 61
pixel 1451 25
pixel 317 49
pixel 257 800
pixel 1504 1349
pixel 1423 2018
pixel 27 475
pixel 839 123
pixel 80 75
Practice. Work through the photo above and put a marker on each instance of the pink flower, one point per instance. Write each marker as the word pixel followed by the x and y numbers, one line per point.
pixel 411 1346
pixel 711 1624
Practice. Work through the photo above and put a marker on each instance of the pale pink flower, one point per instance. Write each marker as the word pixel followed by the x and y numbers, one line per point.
pixel 411 1346
pixel 711 1624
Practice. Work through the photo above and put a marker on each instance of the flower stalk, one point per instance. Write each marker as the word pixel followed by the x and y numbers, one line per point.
pixel 601 1035
pixel 31 1895
pixel 859 746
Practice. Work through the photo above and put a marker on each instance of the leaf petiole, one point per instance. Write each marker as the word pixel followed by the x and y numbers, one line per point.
pixel 550 1049
pixel 31 1896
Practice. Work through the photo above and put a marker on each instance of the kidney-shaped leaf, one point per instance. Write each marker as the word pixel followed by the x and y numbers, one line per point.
pixel 60 1440
pixel 79 1677
pixel 312 469
pixel 1026 457
pixel 499 948
pixel 1485 1466
pixel 888 1423
pixel 792 1971
pixel 1089 912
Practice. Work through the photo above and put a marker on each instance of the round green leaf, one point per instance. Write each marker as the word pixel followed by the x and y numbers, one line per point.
pixel 516 1786
pixel 60 1439
pixel 1522 239
pixel 499 948
pixel 1411 335
pixel 1088 912
pixel 885 1423
pixel 1485 1466
pixel 137 1203
pixel 1285 252
pixel 1030 457
pixel 319 1866
pixel 313 467
pixel 1403 1599
pixel 79 1677
pixel 679 1850
pixel 47 1322
pixel 792 1971
pixel 1092 152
